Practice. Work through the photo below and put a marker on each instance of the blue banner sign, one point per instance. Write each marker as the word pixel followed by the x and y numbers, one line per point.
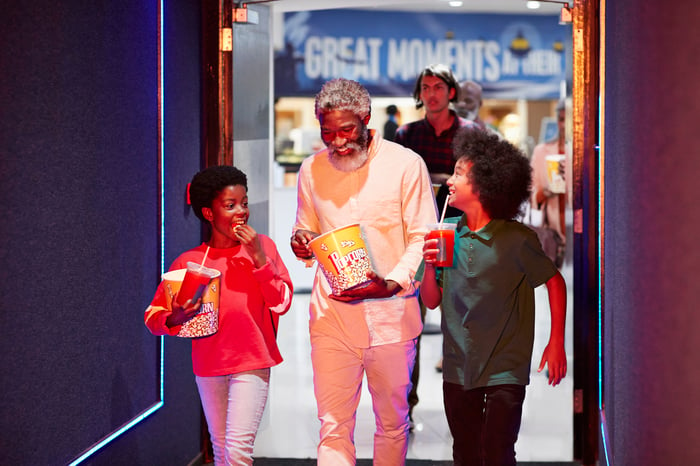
pixel 511 56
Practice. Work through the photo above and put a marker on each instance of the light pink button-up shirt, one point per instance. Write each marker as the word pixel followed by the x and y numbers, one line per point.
pixel 391 197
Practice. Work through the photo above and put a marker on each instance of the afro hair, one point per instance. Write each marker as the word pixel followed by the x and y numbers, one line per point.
pixel 500 173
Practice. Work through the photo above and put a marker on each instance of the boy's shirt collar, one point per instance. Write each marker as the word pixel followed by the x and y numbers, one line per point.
pixel 485 233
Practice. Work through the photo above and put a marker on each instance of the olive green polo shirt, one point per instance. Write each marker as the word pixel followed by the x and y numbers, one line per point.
pixel 488 303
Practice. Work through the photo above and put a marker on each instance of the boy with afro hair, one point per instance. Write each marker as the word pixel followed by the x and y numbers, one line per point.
pixel 487 300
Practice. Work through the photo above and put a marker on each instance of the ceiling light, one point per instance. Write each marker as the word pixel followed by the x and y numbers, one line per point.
pixel 455 3
pixel 533 5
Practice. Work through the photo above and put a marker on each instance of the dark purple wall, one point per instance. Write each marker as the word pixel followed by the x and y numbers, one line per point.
pixel 652 211
pixel 79 227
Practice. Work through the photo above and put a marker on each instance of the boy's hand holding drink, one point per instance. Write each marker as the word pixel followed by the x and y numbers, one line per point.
pixel 443 240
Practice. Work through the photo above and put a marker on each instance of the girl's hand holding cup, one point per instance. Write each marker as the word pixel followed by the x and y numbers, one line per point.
pixel 182 313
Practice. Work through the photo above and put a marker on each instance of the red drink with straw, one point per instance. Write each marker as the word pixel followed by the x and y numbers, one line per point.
pixel 195 282
pixel 445 234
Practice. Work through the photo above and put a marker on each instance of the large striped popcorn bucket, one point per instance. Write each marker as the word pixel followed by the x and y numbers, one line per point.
pixel 206 321
pixel 343 257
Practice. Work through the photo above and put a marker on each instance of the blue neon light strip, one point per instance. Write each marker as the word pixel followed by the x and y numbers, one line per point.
pixel 601 204
pixel 604 437
pixel 161 129
pixel 117 433
pixel 161 161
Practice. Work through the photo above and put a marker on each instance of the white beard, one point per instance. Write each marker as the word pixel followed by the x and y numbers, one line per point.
pixel 348 163
pixel 358 155
pixel 471 115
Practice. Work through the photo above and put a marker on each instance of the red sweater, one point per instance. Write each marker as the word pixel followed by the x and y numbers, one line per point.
pixel 250 303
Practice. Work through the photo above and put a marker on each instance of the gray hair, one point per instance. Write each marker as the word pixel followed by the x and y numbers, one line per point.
pixel 466 86
pixel 343 94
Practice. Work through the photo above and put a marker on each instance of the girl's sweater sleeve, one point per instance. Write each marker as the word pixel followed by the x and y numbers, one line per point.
pixel 274 280
pixel 157 313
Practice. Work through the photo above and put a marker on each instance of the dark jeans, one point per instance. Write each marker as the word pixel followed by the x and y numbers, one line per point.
pixel 484 423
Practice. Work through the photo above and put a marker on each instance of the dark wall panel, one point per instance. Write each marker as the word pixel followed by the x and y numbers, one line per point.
pixel 80 233
pixel 251 77
pixel 652 219
pixel 251 111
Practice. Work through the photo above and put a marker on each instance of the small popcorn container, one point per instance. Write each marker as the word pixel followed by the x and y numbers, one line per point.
pixel 343 257
pixel 557 184
pixel 206 321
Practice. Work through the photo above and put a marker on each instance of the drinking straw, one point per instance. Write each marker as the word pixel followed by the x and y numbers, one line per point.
pixel 444 209
pixel 205 258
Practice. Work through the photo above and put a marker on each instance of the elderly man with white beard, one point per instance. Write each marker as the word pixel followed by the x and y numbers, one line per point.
pixel 369 330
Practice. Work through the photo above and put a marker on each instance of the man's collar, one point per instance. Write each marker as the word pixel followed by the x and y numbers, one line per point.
pixel 453 124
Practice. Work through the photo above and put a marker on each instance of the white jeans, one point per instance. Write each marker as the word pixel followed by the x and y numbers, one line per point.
pixel 338 373
pixel 233 405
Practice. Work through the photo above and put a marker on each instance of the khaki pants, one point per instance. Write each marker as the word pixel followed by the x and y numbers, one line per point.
pixel 338 373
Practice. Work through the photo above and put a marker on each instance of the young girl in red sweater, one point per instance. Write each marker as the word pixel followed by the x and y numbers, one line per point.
pixel 232 366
